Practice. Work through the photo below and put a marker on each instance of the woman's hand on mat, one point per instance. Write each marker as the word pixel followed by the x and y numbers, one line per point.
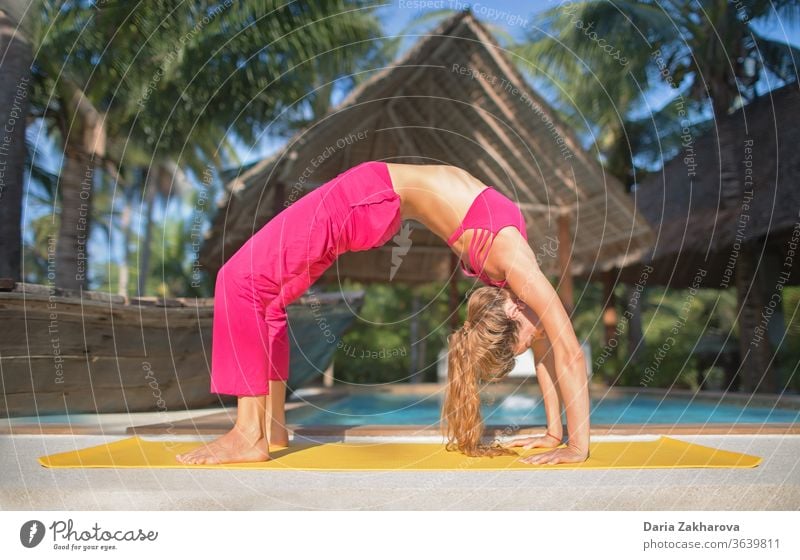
pixel 561 455
pixel 548 440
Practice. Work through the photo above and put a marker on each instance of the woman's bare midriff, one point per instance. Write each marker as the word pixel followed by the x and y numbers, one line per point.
pixel 438 196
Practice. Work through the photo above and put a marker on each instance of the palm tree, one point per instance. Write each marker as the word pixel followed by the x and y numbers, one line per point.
pixel 172 81
pixel 60 71
pixel 233 76
pixel 15 61
pixel 164 180
pixel 711 53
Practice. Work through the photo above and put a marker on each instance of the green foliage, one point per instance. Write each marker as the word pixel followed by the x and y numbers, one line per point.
pixel 177 82
pixel 677 326
pixel 598 61
pixel 39 250
pixel 674 322
pixel 787 362
pixel 383 328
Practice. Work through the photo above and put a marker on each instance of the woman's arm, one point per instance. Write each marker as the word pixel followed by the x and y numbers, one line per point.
pixel 548 383
pixel 545 375
pixel 530 284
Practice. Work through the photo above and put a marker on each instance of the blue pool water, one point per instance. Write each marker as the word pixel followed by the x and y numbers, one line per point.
pixel 523 409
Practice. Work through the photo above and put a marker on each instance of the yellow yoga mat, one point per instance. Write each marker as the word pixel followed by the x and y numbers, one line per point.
pixel 663 453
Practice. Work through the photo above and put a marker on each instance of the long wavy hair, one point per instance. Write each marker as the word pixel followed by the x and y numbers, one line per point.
pixel 481 350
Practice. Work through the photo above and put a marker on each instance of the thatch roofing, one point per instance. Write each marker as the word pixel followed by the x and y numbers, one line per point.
pixel 454 98
pixel 738 182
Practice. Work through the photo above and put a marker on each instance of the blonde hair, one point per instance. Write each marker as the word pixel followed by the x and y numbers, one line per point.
pixel 481 350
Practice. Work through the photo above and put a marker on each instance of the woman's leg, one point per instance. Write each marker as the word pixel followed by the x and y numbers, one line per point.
pixel 250 354
pixel 278 374
pixel 244 357
pixel 249 350
pixel 240 335
pixel 276 414
pixel 243 444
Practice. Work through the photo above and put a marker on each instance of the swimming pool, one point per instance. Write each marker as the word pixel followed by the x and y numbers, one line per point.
pixel 520 409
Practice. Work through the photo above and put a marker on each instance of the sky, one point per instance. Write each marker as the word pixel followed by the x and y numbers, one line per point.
pixel 516 18
pixel 507 13
pixel 396 15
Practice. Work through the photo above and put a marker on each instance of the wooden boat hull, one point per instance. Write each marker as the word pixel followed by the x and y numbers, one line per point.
pixel 62 352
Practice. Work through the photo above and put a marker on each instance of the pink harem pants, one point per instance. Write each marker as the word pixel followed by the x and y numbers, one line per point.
pixel 355 211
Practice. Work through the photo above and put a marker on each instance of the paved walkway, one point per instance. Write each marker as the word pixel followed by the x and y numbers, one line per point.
pixel 25 485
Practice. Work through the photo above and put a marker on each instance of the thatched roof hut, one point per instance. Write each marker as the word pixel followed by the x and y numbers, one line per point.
pixel 739 182
pixel 727 214
pixel 456 98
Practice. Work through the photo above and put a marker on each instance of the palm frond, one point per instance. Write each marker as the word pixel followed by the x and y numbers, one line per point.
pixel 780 58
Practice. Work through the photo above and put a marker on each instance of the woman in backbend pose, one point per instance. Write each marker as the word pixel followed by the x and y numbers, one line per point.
pixel 360 209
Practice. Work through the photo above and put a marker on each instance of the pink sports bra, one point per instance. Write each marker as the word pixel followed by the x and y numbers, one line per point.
pixel 490 212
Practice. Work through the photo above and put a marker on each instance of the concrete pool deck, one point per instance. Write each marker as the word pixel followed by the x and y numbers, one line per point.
pixel 26 485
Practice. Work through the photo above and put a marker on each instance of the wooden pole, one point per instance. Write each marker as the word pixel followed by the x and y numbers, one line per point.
pixel 565 289
pixel 413 335
pixel 636 342
pixel 755 349
pixel 609 309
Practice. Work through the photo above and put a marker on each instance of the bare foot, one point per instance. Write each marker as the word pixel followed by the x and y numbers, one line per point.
pixel 279 436
pixel 237 446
